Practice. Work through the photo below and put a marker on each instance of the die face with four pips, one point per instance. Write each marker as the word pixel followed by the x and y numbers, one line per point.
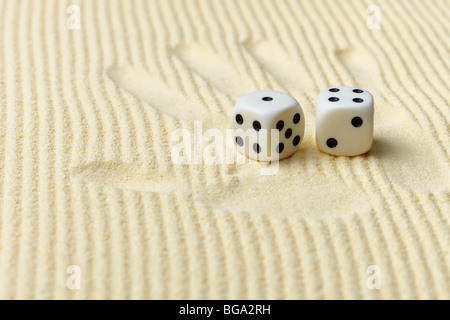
pixel 344 121
pixel 268 125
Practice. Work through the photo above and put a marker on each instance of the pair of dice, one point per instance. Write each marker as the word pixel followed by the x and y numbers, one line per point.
pixel 270 125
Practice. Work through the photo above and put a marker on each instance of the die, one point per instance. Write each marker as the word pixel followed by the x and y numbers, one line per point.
pixel 344 121
pixel 268 125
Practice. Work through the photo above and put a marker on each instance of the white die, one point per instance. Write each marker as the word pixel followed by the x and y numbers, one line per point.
pixel 344 121
pixel 268 125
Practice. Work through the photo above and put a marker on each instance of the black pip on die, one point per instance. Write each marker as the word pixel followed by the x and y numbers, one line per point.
pixel 268 125
pixel 344 121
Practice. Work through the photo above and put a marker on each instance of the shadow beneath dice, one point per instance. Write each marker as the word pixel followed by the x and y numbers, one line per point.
pixel 409 164
pixel 383 147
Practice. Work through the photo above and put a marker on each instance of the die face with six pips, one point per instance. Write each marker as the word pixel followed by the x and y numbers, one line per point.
pixel 268 125
pixel 344 121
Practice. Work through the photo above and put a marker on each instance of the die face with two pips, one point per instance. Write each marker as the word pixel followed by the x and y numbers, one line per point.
pixel 268 125
pixel 344 121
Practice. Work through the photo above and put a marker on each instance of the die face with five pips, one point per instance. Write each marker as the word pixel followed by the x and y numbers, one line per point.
pixel 268 125
pixel 344 121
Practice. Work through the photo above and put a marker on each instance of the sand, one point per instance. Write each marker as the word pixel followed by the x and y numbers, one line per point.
pixel 89 190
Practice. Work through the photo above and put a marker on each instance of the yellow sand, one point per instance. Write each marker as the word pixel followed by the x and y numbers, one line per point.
pixel 87 180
